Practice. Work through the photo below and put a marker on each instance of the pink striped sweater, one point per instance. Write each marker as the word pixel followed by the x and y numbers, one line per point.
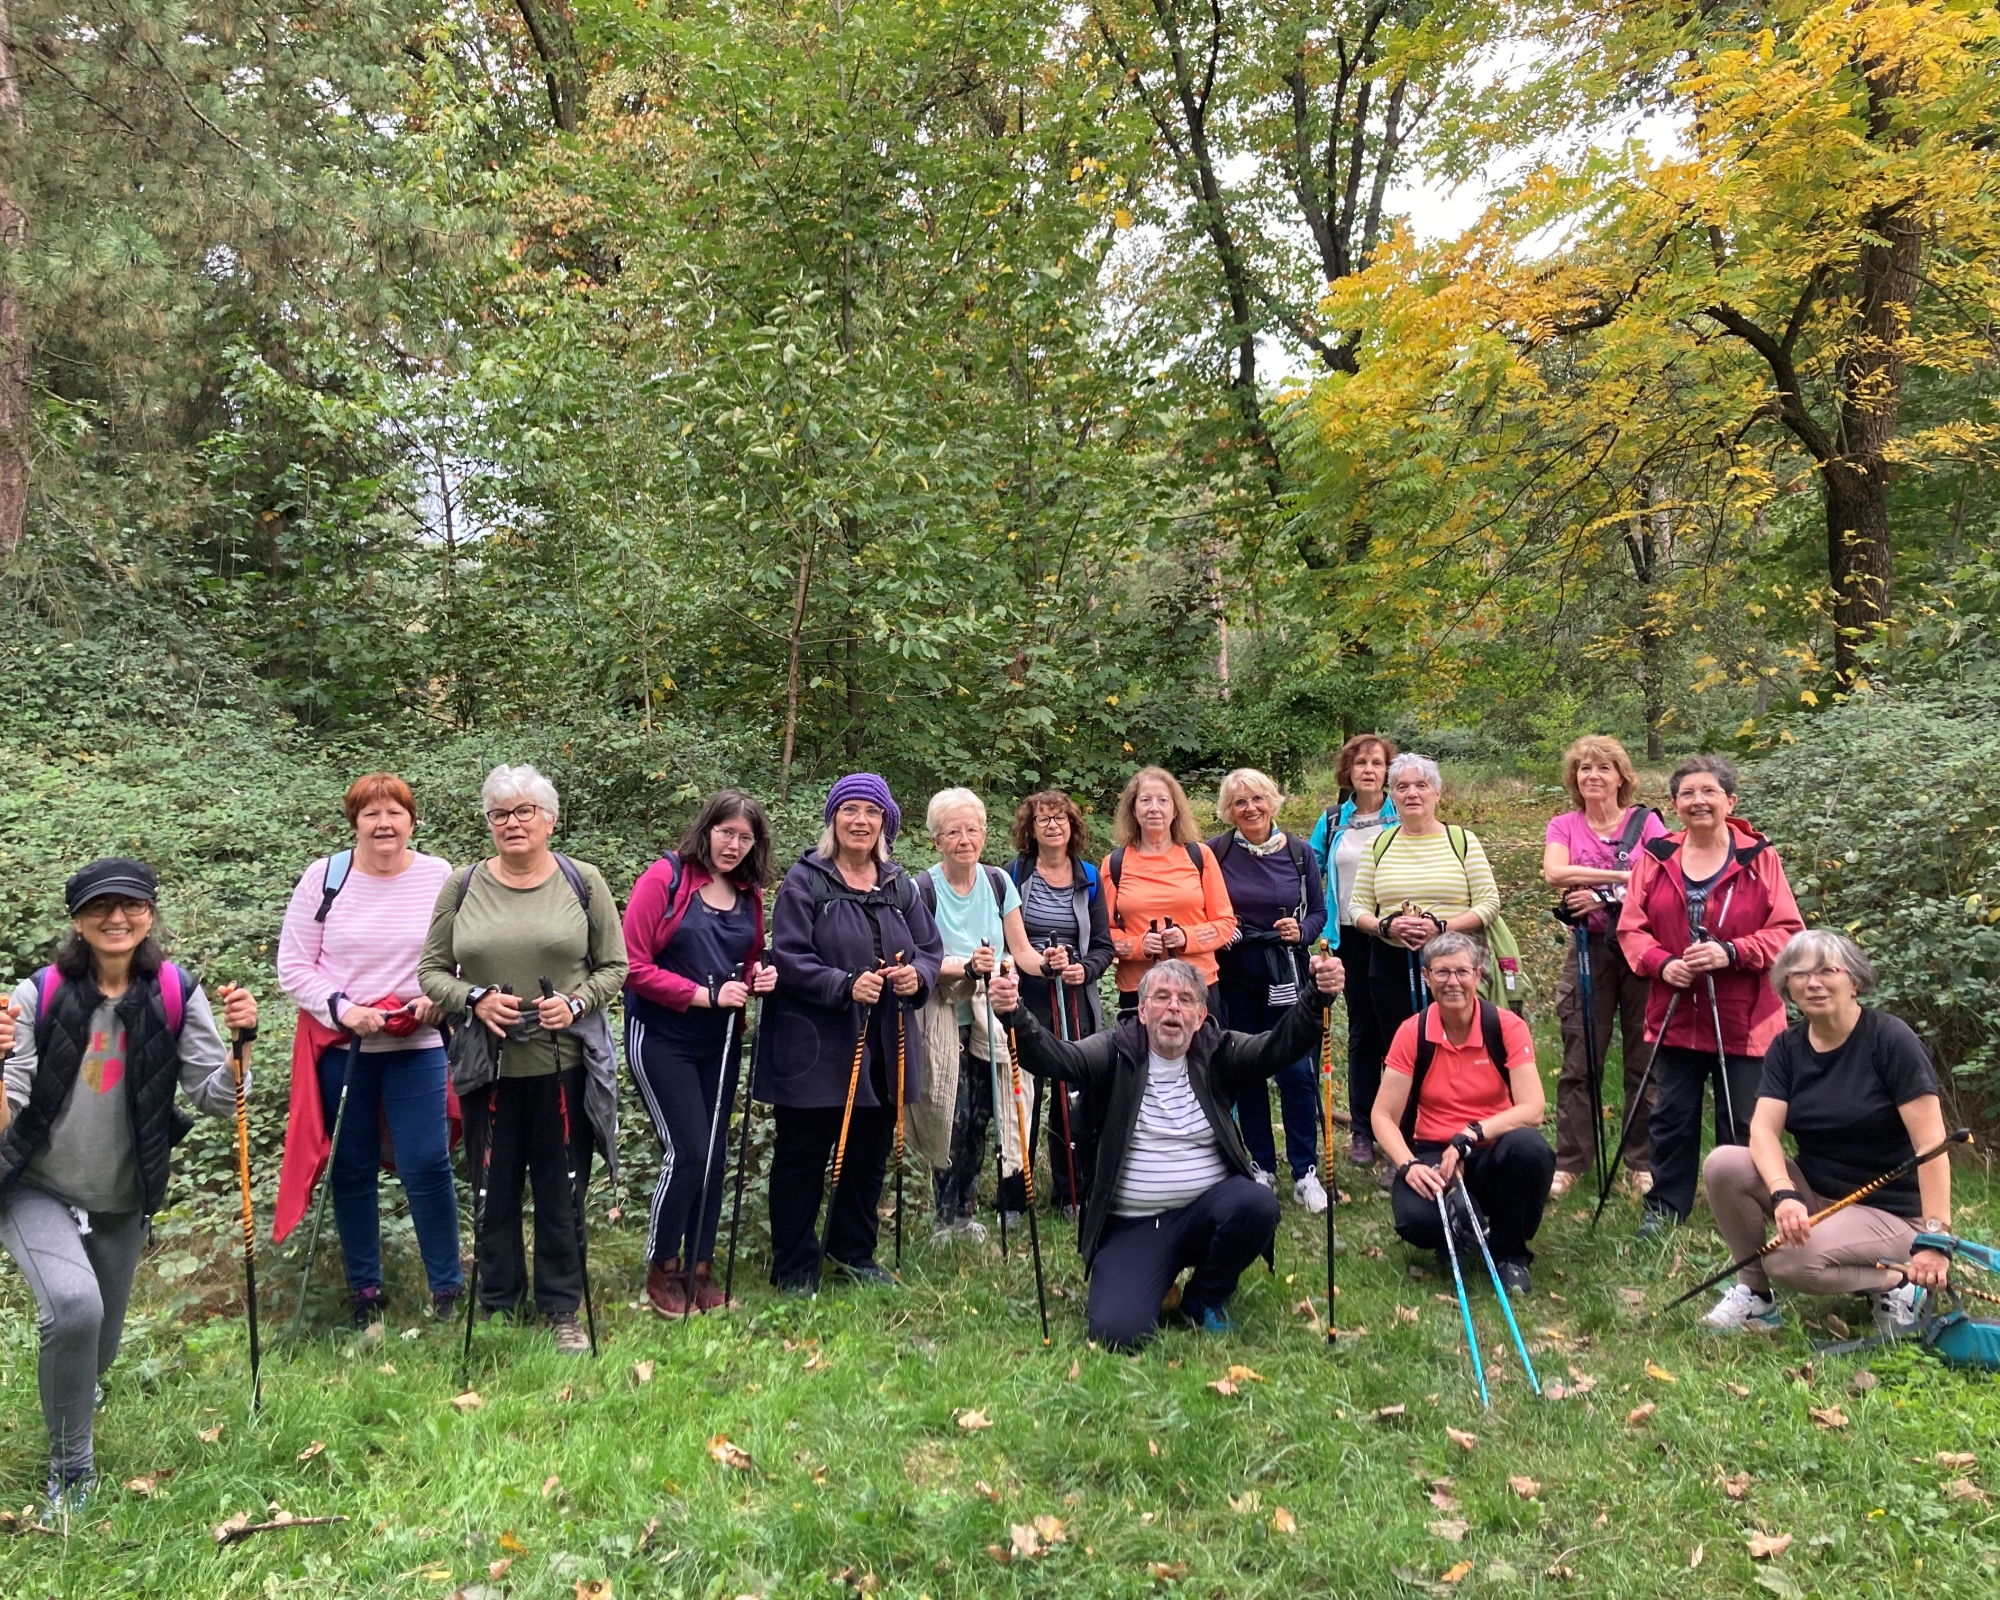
pixel 367 947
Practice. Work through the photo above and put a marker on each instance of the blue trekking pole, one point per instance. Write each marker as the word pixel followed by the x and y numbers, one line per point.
pixel 1464 1305
pixel 1499 1289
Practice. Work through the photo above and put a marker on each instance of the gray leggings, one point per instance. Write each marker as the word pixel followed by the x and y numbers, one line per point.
pixel 82 1282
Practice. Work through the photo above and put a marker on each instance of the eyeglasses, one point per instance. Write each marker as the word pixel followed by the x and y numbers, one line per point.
pixel 109 904
pixel 1438 975
pixel 1824 974
pixel 522 813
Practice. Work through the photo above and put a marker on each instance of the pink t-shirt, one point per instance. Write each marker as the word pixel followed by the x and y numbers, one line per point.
pixel 1588 848
pixel 367 948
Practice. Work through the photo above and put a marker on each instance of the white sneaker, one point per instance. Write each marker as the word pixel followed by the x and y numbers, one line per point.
pixel 1744 1310
pixel 1310 1193
pixel 1561 1184
pixel 1896 1312
pixel 1265 1178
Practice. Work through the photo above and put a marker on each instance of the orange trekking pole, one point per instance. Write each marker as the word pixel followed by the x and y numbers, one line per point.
pixel 1326 1150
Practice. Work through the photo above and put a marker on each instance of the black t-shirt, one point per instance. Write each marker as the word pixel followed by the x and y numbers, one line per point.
pixel 1698 890
pixel 1842 1106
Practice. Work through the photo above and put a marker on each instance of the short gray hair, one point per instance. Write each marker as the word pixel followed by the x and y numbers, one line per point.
pixel 1815 947
pixel 518 783
pixel 1442 945
pixel 1182 973
pixel 1423 766
pixel 947 801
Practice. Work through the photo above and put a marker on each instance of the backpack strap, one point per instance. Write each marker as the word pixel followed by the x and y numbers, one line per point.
pixel 1219 846
pixel 174 987
pixel 579 886
pixel 1295 848
pixel 1455 837
pixel 338 865
pixel 996 880
pixel 1090 878
pixel 1383 840
pixel 1116 867
pixel 926 892
pixel 1628 840
pixel 1496 1045
pixel 1490 1036
pixel 1194 856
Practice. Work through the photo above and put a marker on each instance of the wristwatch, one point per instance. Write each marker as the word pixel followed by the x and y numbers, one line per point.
pixel 1932 1225
pixel 476 994
pixel 575 1005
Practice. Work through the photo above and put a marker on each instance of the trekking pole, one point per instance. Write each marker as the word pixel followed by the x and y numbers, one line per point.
pixel 1874 1186
pixel 716 1129
pixel 902 1066
pixel 743 1150
pixel 569 1166
pixel 1632 1109
pixel 1493 1272
pixel 319 1206
pixel 1059 1091
pixel 478 1219
pixel 1027 1169
pixel 1464 1305
pixel 1722 1061
pixel 853 1084
pixel 999 1143
pixel 1326 1153
pixel 1593 1068
pixel 239 1049
pixel 1416 983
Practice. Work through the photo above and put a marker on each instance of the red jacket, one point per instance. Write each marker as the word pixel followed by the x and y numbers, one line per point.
pixel 1750 907
pixel 650 920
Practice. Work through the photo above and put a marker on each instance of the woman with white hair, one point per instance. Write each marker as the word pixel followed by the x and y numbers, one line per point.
pixel 525 948
pixel 1856 1090
pixel 1274 886
pixel 975 919
pixel 1421 877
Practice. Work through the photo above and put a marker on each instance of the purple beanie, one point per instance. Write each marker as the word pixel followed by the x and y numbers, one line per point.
pixel 867 786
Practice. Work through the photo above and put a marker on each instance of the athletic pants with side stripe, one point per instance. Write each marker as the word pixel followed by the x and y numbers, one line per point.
pixel 679 1070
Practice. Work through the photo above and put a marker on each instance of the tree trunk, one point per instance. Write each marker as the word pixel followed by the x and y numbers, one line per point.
pixel 1858 558
pixel 1647 544
pixel 792 672
pixel 16 353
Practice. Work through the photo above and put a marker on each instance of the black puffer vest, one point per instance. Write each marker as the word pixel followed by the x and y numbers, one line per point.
pixel 152 1070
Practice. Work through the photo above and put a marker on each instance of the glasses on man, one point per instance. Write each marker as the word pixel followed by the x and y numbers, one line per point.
pixel 520 813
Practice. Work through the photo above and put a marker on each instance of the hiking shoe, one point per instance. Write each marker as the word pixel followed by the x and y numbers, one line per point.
pixel 568 1334
pixel 1361 1150
pixel 1267 1179
pixel 667 1290
pixel 1744 1310
pixel 1641 1183
pixel 66 1497
pixel 1655 1223
pixel 705 1291
pixel 865 1274
pixel 953 1230
pixel 1514 1278
pixel 444 1304
pixel 1208 1319
pixel 1310 1192
pixel 1896 1311
pixel 797 1288
pixel 1011 1219
pixel 364 1307
pixel 1561 1184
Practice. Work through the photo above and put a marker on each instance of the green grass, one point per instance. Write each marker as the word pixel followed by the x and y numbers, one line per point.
pixel 864 1480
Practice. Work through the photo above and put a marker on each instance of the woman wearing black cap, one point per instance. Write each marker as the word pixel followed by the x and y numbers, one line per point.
pixel 87 1124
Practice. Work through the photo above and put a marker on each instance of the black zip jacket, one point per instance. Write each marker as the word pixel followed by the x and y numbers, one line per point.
pixel 1112 1067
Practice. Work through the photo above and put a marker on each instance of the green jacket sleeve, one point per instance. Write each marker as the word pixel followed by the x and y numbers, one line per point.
pixel 437 966
pixel 607 942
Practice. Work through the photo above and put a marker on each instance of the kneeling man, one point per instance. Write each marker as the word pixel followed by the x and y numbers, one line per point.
pixel 1172 1188
pixel 1461 1094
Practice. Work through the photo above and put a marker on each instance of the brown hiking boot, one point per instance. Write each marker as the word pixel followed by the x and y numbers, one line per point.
pixel 667 1290
pixel 568 1333
pixel 707 1292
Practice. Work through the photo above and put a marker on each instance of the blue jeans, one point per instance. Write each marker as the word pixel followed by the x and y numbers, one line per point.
pixel 1298 1092
pixel 405 1088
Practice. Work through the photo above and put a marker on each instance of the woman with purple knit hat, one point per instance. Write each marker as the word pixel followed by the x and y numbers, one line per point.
pixel 855 952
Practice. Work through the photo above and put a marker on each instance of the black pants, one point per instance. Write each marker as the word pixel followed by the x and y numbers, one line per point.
pixel 1368 1034
pixel 1218 1234
pixel 956 1188
pixel 524 1118
pixel 1683 1076
pixel 676 1071
pixel 803 1147
pixel 1392 973
pixel 1509 1179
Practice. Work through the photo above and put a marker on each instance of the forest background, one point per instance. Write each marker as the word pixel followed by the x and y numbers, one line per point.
pixel 677 393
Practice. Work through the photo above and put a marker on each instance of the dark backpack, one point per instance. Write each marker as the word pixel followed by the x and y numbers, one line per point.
pixel 1490 1036
pixel 579 886
pixel 1628 841
pixel 1223 843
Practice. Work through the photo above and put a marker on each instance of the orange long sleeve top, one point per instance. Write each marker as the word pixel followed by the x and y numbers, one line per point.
pixel 1155 887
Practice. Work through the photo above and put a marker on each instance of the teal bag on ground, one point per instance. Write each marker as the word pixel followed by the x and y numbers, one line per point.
pixel 1945 1327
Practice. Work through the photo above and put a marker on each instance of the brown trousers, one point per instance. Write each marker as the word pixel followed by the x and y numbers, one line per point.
pixel 1620 996
pixel 1837 1258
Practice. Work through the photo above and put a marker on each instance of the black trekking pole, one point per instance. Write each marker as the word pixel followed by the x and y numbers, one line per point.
pixel 743 1149
pixel 1632 1109
pixel 999 1141
pixel 717 1128
pixel 1059 1091
pixel 1593 1067
pixel 1027 1167
pixel 239 1049
pixel 1722 1062
pixel 569 1168
pixel 478 1217
pixel 326 1184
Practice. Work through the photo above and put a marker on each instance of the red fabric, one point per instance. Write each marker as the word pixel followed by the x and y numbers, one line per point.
pixel 308 1141
pixel 1751 907
pixel 650 921
pixel 1463 1086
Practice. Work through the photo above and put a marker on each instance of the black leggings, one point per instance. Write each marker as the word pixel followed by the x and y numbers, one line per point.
pixel 676 1070
pixel 1368 1032
pixel 1509 1179
pixel 524 1118
pixel 955 1188
pixel 800 1155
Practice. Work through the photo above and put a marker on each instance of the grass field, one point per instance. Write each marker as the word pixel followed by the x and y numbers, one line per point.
pixel 922 1442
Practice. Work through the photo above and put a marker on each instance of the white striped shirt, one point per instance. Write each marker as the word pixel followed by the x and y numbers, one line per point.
pixel 1172 1159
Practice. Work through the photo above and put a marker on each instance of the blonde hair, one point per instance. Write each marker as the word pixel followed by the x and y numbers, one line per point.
pixel 1599 747
pixel 1246 780
pixel 1125 819
pixel 947 801
pixel 828 846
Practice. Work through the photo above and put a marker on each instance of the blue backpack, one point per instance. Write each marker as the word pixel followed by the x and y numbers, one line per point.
pixel 1944 1326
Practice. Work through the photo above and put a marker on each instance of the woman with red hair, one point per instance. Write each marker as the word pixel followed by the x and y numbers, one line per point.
pixel 347 956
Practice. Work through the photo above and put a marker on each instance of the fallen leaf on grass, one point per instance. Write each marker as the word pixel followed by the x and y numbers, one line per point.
pixel 1026 1542
pixel 1465 1441
pixel 1956 1458
pixel 1827 1416
pixel 1457 1572
pixel 387 1369
pixel 1282 1521
pixel 1389 1413
pixel 1451 1528
pixel 1863 1381
pixel 148 1483
pixel 550 1484
pixel 1306 1309
pixel 1406 1313
pixel 593 1589
pixel 312 1450
pixel 642 1372
pixel 1965 1489
pixel 1640 1414
pixel 1764 1546
pixel 1526 1488
pixel 1001 1554
pixel 1152 1448
pixel 512 1545
pixel 1245 1375
pixel 1737 1487
pixel 240 1527
pixel 1837 1326
pixel 469 1401
pixel 496 1570
pixel 1633 1297
pixel 1051 1530
pixel 986 1491
pixel 210 1435
pixel 1224 1386
pixel 1695 1559
pixel 1245 1503
pixel 1738 1390
pixel 1167 1572
pixel 814 1363
pixel 972 1421
pixel 1075 1370
pixel 733 1456
pixel 1659 1373
pixel 1443 1499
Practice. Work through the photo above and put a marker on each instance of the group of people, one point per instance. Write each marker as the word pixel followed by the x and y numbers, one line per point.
pixel 958 1009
